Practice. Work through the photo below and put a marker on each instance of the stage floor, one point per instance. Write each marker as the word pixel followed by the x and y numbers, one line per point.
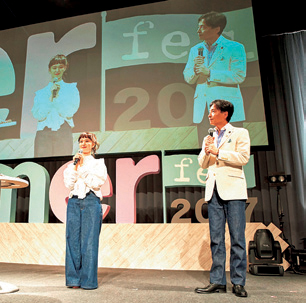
pixel 46 284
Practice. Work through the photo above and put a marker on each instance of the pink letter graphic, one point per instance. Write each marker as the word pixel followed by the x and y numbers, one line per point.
pixel 128 176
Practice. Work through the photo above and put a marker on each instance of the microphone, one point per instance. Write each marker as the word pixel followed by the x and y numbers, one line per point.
pixel 200 51
pixel 211 131
pixel 77 159
pixel 54 92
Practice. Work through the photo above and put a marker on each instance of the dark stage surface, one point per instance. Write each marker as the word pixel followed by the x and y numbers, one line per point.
pixel 46 284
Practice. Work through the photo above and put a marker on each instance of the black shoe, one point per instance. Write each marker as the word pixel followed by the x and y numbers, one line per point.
pixel 239 291
pixel 211 288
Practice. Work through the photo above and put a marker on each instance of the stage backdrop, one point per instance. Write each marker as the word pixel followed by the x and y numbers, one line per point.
pixel 127 69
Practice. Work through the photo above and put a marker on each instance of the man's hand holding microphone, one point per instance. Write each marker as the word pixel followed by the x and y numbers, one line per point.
pixel 210 147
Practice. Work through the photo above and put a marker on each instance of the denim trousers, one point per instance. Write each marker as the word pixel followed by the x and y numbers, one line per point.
pixel 83 226
pixel 233 211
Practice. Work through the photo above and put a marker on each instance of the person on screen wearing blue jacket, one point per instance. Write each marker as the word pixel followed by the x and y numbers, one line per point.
pixel 217 66
pixel 54 107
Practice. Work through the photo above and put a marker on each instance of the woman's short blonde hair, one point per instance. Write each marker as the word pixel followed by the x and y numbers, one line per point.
pixel 94 140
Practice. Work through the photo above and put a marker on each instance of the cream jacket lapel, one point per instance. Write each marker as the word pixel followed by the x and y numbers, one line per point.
pixel 228 132
pixel 226 170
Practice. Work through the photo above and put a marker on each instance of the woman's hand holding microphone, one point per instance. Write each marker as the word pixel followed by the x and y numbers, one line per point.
pixel 78 159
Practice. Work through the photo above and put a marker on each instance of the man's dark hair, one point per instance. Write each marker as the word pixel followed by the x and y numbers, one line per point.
pixel 214 19
pixel 224 106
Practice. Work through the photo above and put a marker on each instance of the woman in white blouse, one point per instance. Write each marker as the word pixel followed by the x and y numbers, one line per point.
pixel 84 177
pixel 54 107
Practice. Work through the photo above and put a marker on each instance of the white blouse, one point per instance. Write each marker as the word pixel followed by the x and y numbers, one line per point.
pixel 62 108
pixel 90 176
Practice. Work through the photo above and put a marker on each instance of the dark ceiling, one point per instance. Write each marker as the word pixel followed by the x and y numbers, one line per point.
pixel 271 16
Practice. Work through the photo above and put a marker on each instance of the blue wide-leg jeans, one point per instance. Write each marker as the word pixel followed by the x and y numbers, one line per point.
pixel 83 226
pixel 234 212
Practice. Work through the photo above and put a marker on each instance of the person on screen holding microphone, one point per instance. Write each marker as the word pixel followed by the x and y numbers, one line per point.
pixel 84 177
pixel 224 153
pixel 217 66
pixel 54 108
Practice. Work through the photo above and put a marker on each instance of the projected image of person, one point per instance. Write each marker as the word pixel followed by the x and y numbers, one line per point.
pixel 84 177
pixel 224 154
pixel 54 107
pixel 217 66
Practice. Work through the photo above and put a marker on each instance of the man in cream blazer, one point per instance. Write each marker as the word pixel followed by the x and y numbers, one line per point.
pixel 225 170
pixel 224 155
pixel 217 66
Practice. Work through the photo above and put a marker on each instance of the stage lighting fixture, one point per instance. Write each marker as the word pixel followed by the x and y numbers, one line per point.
pixel 278 179
pixel 265 255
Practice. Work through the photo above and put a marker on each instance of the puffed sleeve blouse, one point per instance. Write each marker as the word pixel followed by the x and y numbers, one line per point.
pixel 88 177
pixel 53 114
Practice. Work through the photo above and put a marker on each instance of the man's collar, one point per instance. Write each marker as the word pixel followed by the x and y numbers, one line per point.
pixel 223 128
pixel 214 44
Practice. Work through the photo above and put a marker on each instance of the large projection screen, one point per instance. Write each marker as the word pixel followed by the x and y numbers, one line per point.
pixel 124 80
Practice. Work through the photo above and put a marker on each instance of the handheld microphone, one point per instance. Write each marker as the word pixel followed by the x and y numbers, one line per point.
pixel 54 92
pixel 77 159
pixel 211 132
pixel 200 51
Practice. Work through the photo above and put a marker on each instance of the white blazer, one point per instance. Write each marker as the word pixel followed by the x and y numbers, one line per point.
pixel 226 170
pixel 227 70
